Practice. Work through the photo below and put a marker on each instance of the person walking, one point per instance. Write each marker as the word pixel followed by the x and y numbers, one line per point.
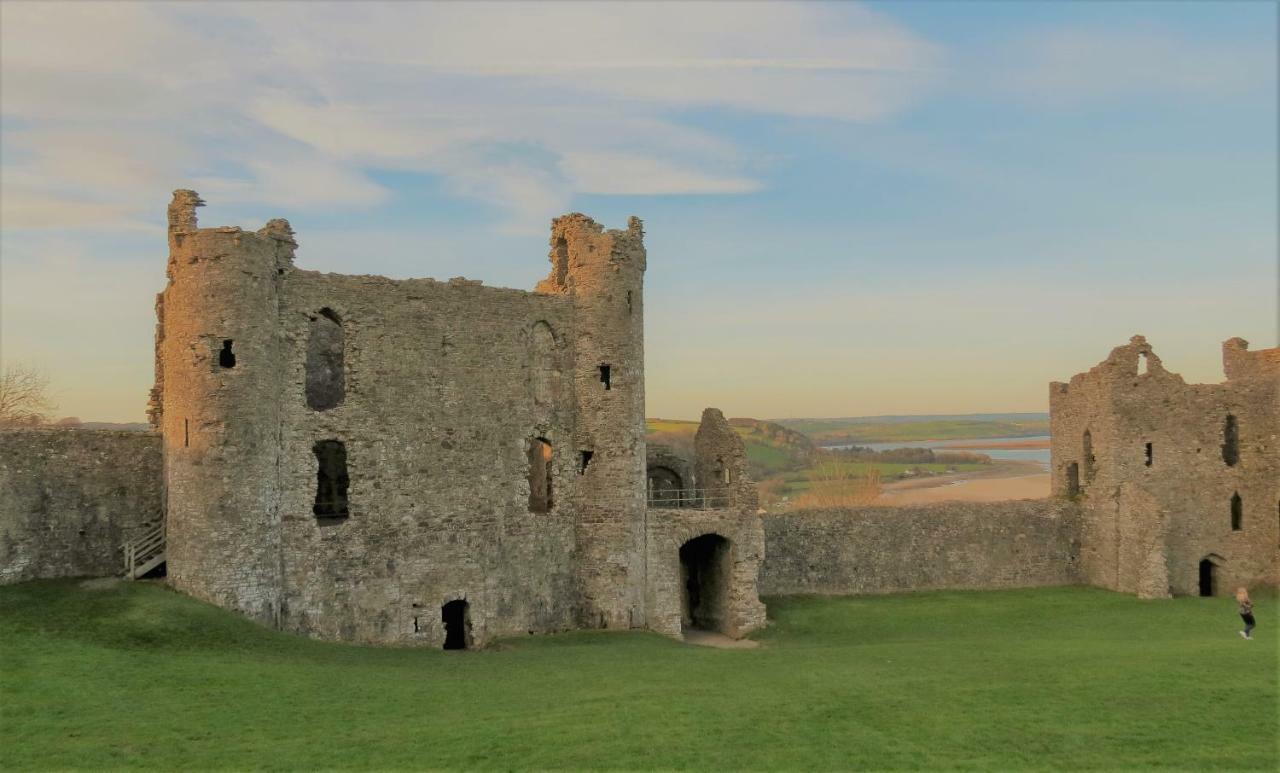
pixel 1246 612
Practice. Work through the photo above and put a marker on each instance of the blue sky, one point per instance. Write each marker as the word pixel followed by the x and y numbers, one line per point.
pixel 908 207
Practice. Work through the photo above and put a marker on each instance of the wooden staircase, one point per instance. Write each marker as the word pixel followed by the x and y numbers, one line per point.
pixel 144 553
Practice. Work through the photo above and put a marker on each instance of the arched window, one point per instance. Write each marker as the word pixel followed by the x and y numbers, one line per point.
pixel 544 366
pixel 1237 512
pixel 1230 441
pixel 326 379
pixel 540 475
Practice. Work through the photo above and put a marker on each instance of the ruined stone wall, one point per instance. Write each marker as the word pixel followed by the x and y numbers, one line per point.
pixel 439 412
pixel 1156 487
pixel 602 273
pixel 373 450
pixel 219 346
pixel 944 546
pixel 70 498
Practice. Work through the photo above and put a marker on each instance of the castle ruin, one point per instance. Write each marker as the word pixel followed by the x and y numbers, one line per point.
pixel 1179 483
pixel 373 460
pixel 417 462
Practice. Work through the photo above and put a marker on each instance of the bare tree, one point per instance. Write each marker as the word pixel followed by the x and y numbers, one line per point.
pixel 24 396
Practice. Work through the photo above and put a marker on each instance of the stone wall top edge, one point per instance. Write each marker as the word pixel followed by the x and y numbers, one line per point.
pixel 1044 504
pixel 146 433
pixel 456 284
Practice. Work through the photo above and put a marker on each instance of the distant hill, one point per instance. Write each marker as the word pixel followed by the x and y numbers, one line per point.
pixel 891 429
pixel 771 448
pixel 132 426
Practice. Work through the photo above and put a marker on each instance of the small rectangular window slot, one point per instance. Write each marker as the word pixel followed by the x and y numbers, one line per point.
pixel 629 309
pixel 186 433
pixel 584 459
pixel 226 357
pixel 606 377
pixel 1149 453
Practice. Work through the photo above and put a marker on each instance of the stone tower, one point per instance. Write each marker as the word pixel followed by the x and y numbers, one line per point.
pixel 603 274
pixel 218 352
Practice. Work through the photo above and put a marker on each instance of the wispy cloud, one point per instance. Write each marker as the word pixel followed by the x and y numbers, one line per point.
pixel 519 105
pixel 1079 65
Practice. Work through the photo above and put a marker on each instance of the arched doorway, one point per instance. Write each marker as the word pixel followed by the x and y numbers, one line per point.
pixel 704 573
pixel 665 487
pixel 1208 576
pixel 457 625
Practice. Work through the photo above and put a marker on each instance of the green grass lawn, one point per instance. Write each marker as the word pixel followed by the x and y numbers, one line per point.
pixel 137 676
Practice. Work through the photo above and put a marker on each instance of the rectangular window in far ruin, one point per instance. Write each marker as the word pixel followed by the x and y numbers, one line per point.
pixel 606 377
pixel 584 459
pixel 1237 512
pixel 331 481
pixel 186 433
pixel 227 357
pixel 1149 452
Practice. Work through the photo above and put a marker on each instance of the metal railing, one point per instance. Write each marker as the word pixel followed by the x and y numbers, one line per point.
pixel 696 498
pixel 144 553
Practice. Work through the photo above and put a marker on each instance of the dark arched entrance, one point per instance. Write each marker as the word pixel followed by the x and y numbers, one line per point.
pixel 704 572
pixel 1207 569
pixel 457 625
pixel 665 487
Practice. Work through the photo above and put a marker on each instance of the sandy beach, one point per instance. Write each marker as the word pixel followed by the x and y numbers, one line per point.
pixel 1007 480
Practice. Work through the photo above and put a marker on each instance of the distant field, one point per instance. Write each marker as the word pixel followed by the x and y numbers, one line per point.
pixel 136 677
pixel 849 431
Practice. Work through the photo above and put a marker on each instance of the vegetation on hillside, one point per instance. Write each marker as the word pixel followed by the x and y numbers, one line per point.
pixel 771 448
pixel 132 676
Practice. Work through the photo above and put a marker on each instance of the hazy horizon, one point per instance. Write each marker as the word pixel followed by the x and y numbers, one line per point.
pixel 852 209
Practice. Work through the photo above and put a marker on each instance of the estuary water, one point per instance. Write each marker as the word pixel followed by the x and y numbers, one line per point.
pixel 1040 455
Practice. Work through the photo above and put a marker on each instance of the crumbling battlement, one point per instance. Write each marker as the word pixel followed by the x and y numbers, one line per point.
pixel 1179 483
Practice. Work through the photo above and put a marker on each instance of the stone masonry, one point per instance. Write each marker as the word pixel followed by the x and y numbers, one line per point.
pixel 69 498
pixel 347 456
pixel 1179 483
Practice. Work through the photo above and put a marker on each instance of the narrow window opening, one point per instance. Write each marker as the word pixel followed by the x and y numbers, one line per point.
pixel 226 357
pixel 1073 480
pixel 457 624
pixel 1088 458
pixel 331 481
pixel 629 308
pixel 325 384
pixel 1230 441
pixel 606 376
pixel 186 433
pixel 415 624
pixel 540 476
pixel 1206 577
pixel 584 459
pixel 1150 451
pixel 1142 363
pixel 1237 512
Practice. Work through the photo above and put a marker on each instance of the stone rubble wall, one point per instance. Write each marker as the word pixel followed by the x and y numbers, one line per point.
pixel 69 498
pixel 943 546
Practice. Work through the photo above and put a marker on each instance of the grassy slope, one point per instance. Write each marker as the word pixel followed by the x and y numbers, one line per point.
pixel 138 676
